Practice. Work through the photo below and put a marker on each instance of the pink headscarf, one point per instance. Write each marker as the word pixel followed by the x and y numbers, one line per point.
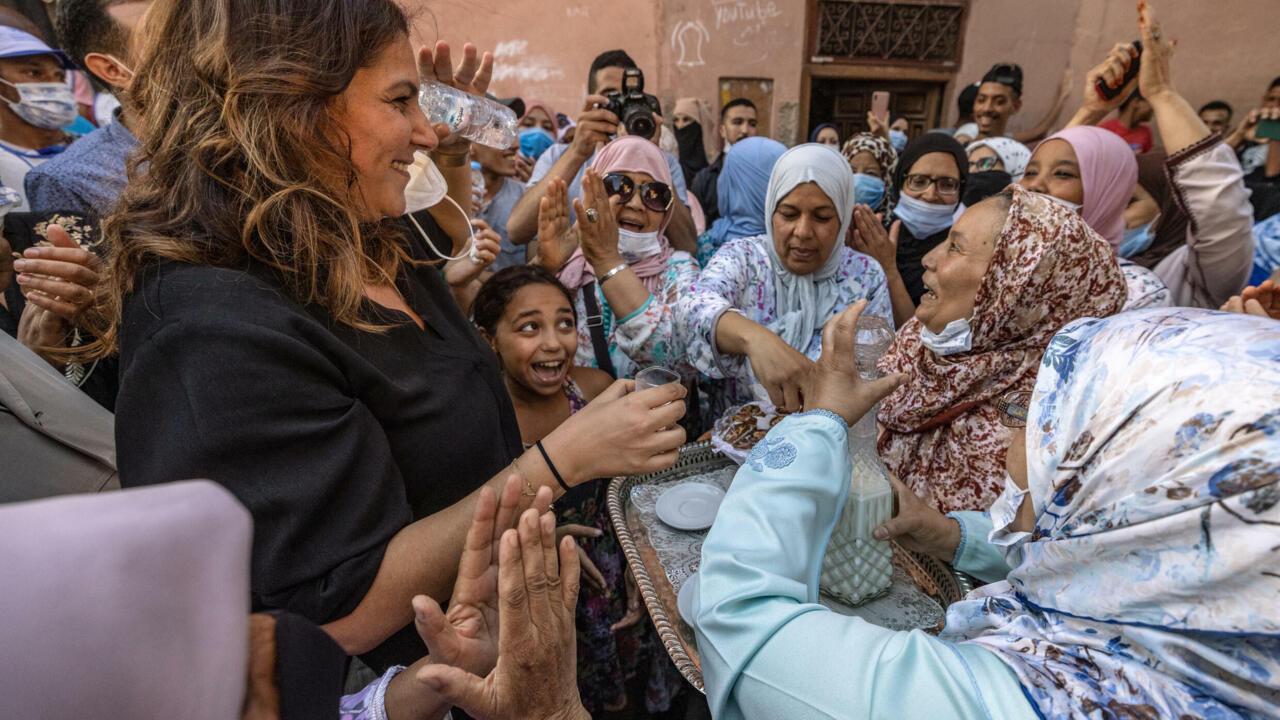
pixel 1108 172
pixel 638 155
pixel 531 103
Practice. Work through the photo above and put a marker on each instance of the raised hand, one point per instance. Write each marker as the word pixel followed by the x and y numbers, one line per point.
pixel 1110 71
pixel 870 238
pixel 878 126
pixel 836 385
pixel 1154 77
pixel 596 126
pixel 536 671
pixel 466 636
pixel 472 75
pixel 524 168
pixel 597 228
pixel 556 240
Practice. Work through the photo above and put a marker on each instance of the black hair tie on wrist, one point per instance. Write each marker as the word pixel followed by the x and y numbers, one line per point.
pixel 551 465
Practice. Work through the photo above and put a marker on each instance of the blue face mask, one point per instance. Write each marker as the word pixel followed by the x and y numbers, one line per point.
pixel 923 219
pixel 868 190
pixel 898 140
pixel 1136 240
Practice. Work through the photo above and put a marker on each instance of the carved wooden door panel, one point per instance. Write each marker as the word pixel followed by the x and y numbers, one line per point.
pixel 846 102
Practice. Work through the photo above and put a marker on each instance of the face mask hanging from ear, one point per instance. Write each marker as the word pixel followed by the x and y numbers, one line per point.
pixel 955 338
pixel 426 189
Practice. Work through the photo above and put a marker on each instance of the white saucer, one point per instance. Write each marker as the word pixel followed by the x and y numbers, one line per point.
pixel 691 506
pixel 684 601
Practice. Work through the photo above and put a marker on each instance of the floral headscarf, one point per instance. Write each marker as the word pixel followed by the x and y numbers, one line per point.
pixel 882 151
pixel 1149 587
pixel 943 437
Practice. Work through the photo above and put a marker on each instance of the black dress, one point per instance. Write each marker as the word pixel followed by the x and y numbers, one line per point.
pixel 335 439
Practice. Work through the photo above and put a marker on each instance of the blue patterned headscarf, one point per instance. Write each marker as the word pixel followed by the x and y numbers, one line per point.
pixel 742 186
pixel 1150 586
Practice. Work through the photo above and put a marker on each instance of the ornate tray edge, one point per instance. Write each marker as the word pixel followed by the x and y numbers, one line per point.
pixel 619 496
pixel 668 630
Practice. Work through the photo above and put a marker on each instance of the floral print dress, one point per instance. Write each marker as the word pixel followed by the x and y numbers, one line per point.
pixel 739 279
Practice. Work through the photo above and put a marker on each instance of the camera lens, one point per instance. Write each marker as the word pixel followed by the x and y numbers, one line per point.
pixel 640 123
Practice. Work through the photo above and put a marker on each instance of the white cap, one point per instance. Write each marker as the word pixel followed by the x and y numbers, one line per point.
pixel 16 43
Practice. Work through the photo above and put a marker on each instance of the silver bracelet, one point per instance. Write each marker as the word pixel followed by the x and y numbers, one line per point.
pixel 611 273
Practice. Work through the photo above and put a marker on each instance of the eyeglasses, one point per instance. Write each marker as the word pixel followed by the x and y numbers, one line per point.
pixel 1013 408
pixel 656 196
pixel 983 164
pixel 921 183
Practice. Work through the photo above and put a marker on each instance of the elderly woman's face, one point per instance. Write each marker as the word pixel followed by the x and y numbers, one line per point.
pixel 953 270
pixel 379 112
pixel 633 215
pixel 1055 170
pixel 805 229
pixel 864 162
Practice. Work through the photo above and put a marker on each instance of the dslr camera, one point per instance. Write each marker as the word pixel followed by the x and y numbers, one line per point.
pixel 633 106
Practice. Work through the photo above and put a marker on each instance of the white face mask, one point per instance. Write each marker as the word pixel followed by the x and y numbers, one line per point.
pixel 956 337
pixel 635 246
pixel 427 187
pixel 45 105
pixel 1003 513
pixel 1070 205
pixel 923 219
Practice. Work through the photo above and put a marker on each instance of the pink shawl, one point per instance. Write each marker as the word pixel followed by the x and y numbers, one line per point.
pixel 628 154
pixel 531 103
pixel 942 433
pixel 1108 172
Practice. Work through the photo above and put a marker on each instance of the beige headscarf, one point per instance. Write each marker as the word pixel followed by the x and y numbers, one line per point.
pixel 701 110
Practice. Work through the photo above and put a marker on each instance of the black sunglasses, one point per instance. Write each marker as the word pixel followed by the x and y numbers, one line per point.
pixel 656 196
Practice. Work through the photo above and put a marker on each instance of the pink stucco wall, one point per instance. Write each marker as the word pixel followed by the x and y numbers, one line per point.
pixel 544 47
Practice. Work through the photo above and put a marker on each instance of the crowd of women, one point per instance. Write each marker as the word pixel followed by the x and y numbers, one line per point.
pixel 396 429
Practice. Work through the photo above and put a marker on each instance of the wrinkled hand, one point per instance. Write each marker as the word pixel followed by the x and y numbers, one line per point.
pixel 780 368
pixel 1154 76
pixel 466 636
pixel 836 384
pixel 635 608
pixel 536 671
pixel 464 271
pixel 556 241
pixel 591 575
pixel 62 279
pixel 472 76
pixel 917 526
pixel 878 126
pixel 1110 71
pixel 870 238
pixel 621 432
pixel 596 126
pixel 599 239
pixel 42 330
pixel 524 168
pixel 1263 301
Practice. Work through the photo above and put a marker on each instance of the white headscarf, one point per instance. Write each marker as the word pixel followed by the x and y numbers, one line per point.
pixel 1013 154
pixel 804 302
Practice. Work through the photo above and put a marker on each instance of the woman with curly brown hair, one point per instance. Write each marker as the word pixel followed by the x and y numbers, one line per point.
pixel 280 336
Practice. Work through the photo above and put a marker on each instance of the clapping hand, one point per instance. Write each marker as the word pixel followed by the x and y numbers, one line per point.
pixel 870 238
pixel 536 671
pixel 597 228
pixel 61 279
pixel 466 636
pixel 556 240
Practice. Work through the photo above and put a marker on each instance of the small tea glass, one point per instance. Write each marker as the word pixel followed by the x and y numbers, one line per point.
pixel 652 377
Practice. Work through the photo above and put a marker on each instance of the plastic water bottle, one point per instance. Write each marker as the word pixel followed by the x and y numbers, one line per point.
pixel 475 118
pixel 872 338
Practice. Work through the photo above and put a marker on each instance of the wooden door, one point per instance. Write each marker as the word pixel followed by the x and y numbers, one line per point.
pixel 846 102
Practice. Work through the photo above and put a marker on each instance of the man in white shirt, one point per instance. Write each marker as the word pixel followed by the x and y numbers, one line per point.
pixel 37 104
